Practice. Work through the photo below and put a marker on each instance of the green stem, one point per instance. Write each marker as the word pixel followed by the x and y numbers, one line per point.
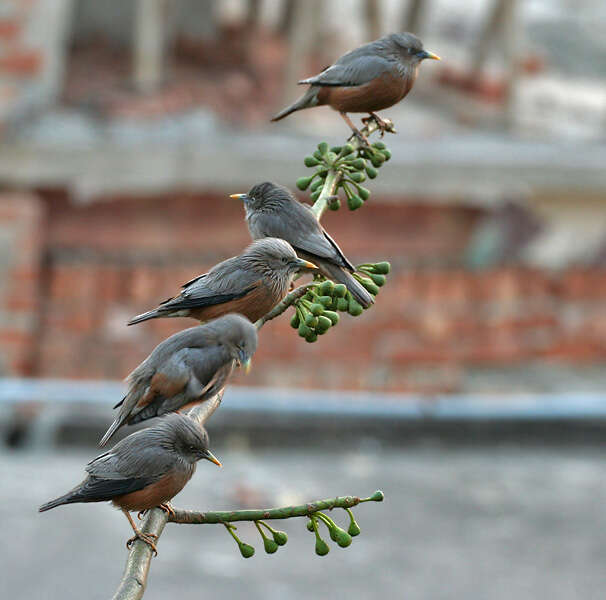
pixel 334 175
pixel 303 510
pixel 287 301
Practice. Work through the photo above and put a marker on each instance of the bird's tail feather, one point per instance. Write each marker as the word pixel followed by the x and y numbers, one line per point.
pixel 357 290
pixel 68 498
pixel 150 314
pixel 307 100
pixel 112 429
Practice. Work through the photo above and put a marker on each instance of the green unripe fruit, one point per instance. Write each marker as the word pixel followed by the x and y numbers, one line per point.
pixel 310 526
pixel 336 149
pixel 355 308
pixel 331 157
pixel 358 163
pixel 316 309
pixel 370 286
pixel 334 204
pixel 246 550
pixel 332 531
pixel 377 160
pixel 354 202
pixel 378 279
pixel 378 496
pixel 326 288
pixel 311 338
pixel 270 546
pixel 318 155
pixel 333 316
pixel 371 172
pixel 324 323
pixel 315 195
pixel 325 300
pixel 323 148
pixel 387 154
pixel 382 268
pixel 347 149
pixel 342 305
pixel 311 321
pixel 357 176
pixel 304 331
pixel 316 184
pixel 380 145
pixel 322 548
pixel 281 538
pixel 322 171
pixel 310 161
pixel 295 321
pixel 303 182
pixel 342 537
pixel 363 193
pixel 353 529
pixel 340 290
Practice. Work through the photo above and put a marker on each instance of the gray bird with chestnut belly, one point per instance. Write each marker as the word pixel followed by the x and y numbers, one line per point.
pixel 143 471
pixel 272 210
pixel 186 369
pixel 250 284
pixel 372 77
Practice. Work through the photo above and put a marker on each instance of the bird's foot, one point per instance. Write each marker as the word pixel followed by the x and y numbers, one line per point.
pixel 384 125
pixel 141 514
pixel 148 538
pixel 356 133
pixel 167 507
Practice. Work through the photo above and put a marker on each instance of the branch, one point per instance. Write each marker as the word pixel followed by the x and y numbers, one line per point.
pixel 190 517
pixel 334 176
pixel 287 301
pixel 132 586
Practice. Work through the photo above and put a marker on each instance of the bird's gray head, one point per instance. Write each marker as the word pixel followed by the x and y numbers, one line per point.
pixel 238 335
pixel 275 259
pixel 266 196
pixel 407 47
pixel 187 438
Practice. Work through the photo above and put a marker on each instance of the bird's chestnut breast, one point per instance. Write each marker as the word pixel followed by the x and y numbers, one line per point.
pixel 382 92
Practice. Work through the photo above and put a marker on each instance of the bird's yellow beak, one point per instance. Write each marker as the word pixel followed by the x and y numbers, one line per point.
pixel 237 196
pixel 246 366
pixel 305 265
pixel 212 458
pixel 432 55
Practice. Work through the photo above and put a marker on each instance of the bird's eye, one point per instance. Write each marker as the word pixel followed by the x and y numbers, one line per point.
pixel 411 51
pixel 192 448
pixel 284 260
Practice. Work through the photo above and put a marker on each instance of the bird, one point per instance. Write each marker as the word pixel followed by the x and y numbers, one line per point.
pixel 370 78
pixel 186 369
pixel 250 284
pixel 144 470
pixel 272 210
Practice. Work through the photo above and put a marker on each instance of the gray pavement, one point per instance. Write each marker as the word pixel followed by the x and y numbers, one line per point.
pixel 490 522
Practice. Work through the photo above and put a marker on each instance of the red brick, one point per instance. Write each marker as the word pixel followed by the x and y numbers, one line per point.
pixel 21 62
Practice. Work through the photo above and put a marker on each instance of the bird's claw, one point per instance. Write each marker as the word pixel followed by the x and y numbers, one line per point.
pixel 148 538
pixel 361 138
pixel 167 508
pixel 141 514
pixel 384 125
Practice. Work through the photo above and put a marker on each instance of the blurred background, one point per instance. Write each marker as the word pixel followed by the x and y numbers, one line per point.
pixel 472 393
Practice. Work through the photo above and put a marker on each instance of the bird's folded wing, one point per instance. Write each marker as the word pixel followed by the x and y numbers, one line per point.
pixel 226 281
pixel 99 489
pixel 303 231
pixel 136 457
pixel 358 71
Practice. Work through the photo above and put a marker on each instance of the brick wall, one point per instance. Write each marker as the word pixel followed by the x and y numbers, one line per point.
pixel 21 247
pixel 434 322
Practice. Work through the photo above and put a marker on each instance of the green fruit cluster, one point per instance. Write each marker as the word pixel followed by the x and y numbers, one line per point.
pixel 353 165
pixel 317 311
pixel 337 534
